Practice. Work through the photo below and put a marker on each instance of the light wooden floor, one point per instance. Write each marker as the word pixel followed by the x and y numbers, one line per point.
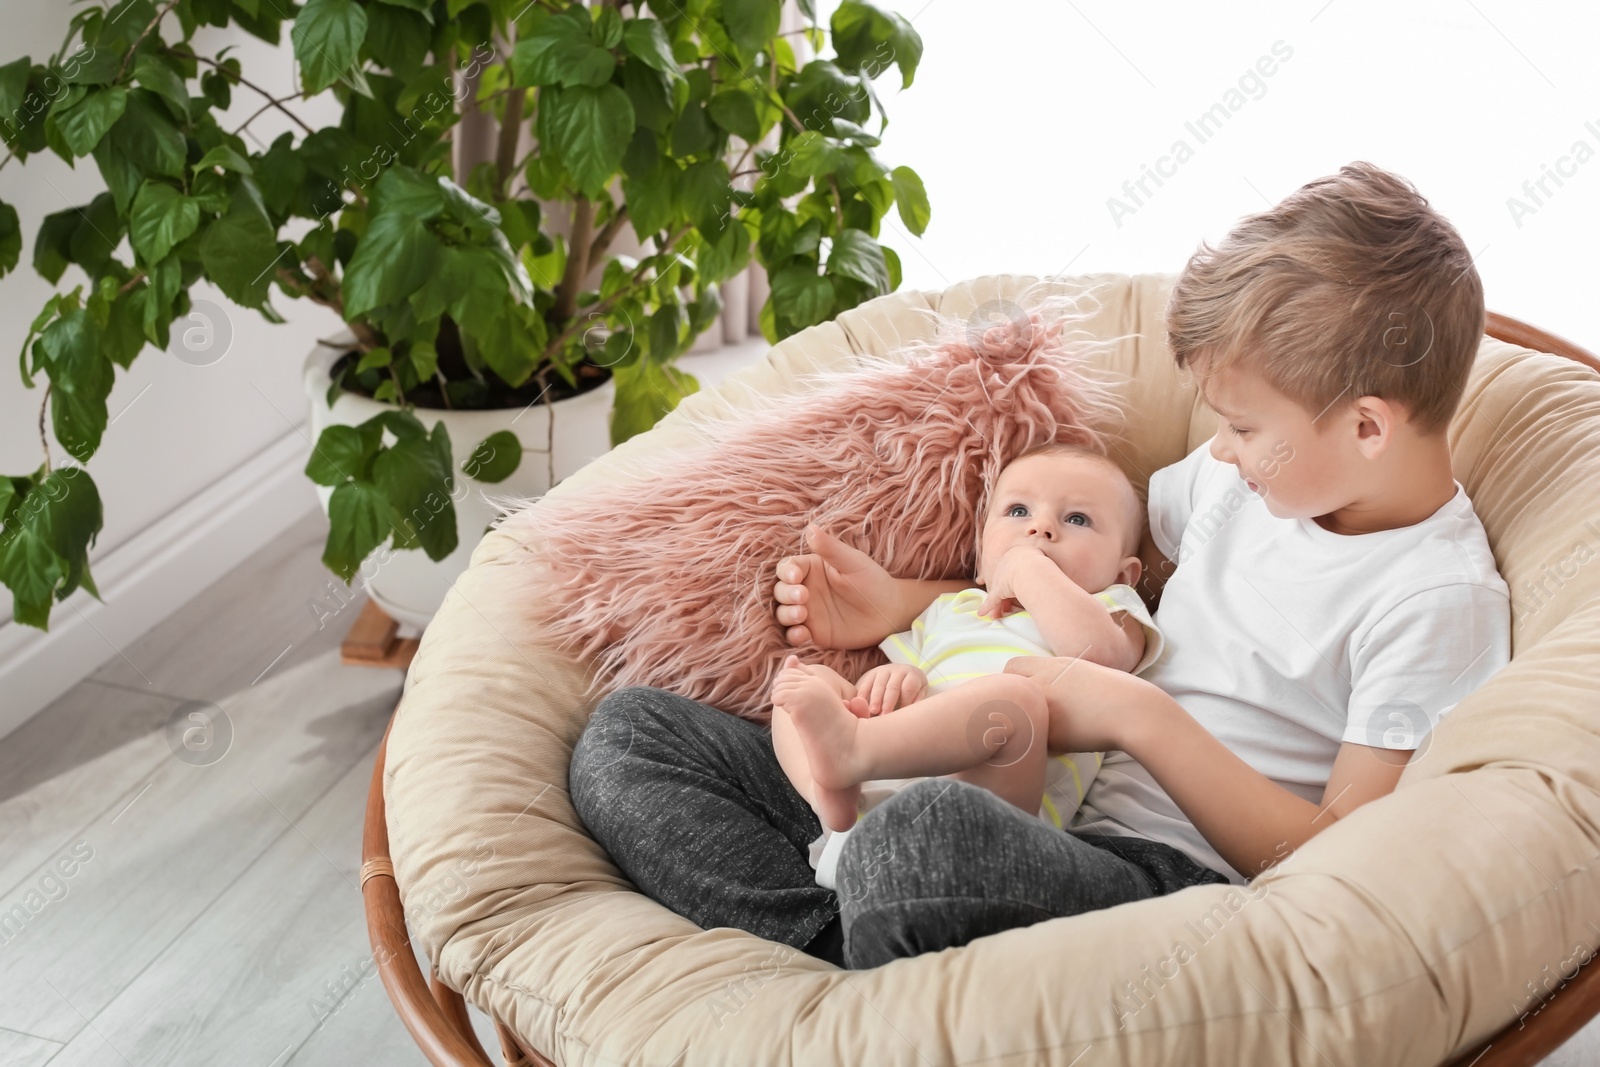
pixel 212 914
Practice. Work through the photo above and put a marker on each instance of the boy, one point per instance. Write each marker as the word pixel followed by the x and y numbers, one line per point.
pixel 1332 594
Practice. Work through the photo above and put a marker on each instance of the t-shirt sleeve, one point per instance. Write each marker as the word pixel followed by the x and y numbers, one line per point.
pixel 1125 598
pixel 1173 493
pixel 1421 658
pixel 906 647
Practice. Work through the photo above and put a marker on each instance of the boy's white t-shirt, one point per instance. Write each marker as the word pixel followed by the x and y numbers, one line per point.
pixel 1285 640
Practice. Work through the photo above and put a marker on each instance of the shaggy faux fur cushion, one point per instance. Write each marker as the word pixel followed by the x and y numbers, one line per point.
pixel 666 580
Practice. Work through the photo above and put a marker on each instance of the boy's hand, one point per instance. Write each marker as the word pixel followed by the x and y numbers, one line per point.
pixel 1010 575
pixel 890 686
pixel 835 596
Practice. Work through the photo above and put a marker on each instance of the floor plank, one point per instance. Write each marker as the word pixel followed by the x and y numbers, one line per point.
pixel 156 867
pixel 281 602
pixel 25 1050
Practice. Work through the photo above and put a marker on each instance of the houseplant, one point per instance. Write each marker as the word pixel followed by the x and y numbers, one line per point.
pixel 455 294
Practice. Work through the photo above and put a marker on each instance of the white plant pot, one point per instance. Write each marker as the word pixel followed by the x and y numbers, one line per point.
pixel 407 584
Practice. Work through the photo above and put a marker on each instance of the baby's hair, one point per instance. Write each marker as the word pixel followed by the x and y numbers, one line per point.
pixel 1350 286
pixel 1133 503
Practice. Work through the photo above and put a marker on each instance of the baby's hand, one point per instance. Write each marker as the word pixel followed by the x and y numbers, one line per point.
pixel 1008 578
pixel 890 686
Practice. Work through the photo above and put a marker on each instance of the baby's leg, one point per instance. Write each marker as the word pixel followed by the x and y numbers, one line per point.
pixel 835 807
pixel 991 730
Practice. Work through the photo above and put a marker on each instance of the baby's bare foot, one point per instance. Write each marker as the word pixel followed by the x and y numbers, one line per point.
pixel 827 730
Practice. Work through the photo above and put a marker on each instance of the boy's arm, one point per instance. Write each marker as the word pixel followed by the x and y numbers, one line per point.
pixel 1250 820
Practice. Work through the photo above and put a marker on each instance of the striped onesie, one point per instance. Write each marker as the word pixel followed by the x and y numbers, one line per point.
pixel 950 644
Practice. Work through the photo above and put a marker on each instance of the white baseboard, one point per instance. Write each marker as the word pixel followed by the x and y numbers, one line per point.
pixel 153 574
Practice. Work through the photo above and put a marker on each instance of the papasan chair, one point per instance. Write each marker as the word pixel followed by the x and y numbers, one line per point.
pixel 1415 931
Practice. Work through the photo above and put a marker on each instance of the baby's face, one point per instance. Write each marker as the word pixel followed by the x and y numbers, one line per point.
pixel 1079 511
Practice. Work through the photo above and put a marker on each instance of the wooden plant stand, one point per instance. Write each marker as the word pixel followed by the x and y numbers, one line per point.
pixel 371 641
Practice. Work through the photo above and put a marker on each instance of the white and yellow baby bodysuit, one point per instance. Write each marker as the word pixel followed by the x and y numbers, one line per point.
pixel 951 644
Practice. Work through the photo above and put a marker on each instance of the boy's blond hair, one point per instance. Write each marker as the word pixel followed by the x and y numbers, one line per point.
pixel 1351 286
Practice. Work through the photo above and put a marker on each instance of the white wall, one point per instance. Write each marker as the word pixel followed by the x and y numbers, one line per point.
pixel 1026 117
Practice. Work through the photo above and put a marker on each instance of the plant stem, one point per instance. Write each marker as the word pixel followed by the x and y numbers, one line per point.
pixel 577 259
pixel 505 156
pixel 443 392
pixel 44 442
pixel 605 305
pixel 123 67
pixel 607 233
pixel 325 291
pixel 138 276
pixel 240 80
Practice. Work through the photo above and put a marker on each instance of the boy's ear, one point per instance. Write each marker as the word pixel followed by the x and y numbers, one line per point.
pixel 1376 420
pixel 1132 568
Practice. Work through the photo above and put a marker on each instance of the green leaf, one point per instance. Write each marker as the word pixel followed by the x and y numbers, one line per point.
pixel 666 327
pixel 225 157
pixel 378 357
pixel 72 517
pixel 160 79
pixel 562 51
pixel 646 391
pixel 868 39
pixel 418 485
pixel 80 378
pixel 14 89
pixel 735 112
pixel 405 191
pixel 327 40
pixel 705 195
pixel 607 29
pixel 911 198
pixel 10 239
pixel 358 522
pixel 33 571
pixel 495 458
pixel 239 252
pixel 83 124
pixel 398 38
pixel 856 255
pixel 161 218
pixel 395 257
pixel 591 127
pixel 751 23
pixel 801 295
pixel 646 41
pixel 342 453
pixel 652 198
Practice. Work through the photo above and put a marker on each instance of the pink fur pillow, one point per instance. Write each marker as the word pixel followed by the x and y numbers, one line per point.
pixel 666 579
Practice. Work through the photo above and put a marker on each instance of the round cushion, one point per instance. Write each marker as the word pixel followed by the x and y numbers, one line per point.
pixel 1403 933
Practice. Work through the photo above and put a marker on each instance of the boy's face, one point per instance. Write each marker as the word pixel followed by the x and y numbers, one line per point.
pixel 1300 462
pixel 1078 511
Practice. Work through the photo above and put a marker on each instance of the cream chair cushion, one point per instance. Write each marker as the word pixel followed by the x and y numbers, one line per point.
pixel 1403 933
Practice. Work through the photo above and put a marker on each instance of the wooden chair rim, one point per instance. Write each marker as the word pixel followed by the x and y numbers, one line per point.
pixel 436 1015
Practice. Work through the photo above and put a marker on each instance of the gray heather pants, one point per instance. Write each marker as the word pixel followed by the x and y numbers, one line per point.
pixel 692 805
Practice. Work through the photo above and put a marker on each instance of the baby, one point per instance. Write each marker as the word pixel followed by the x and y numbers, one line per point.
pixel 1057 562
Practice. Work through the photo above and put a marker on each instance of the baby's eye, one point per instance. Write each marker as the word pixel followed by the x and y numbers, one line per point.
pixel 1014 508
pixel 1236 431
pixel 1078 518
